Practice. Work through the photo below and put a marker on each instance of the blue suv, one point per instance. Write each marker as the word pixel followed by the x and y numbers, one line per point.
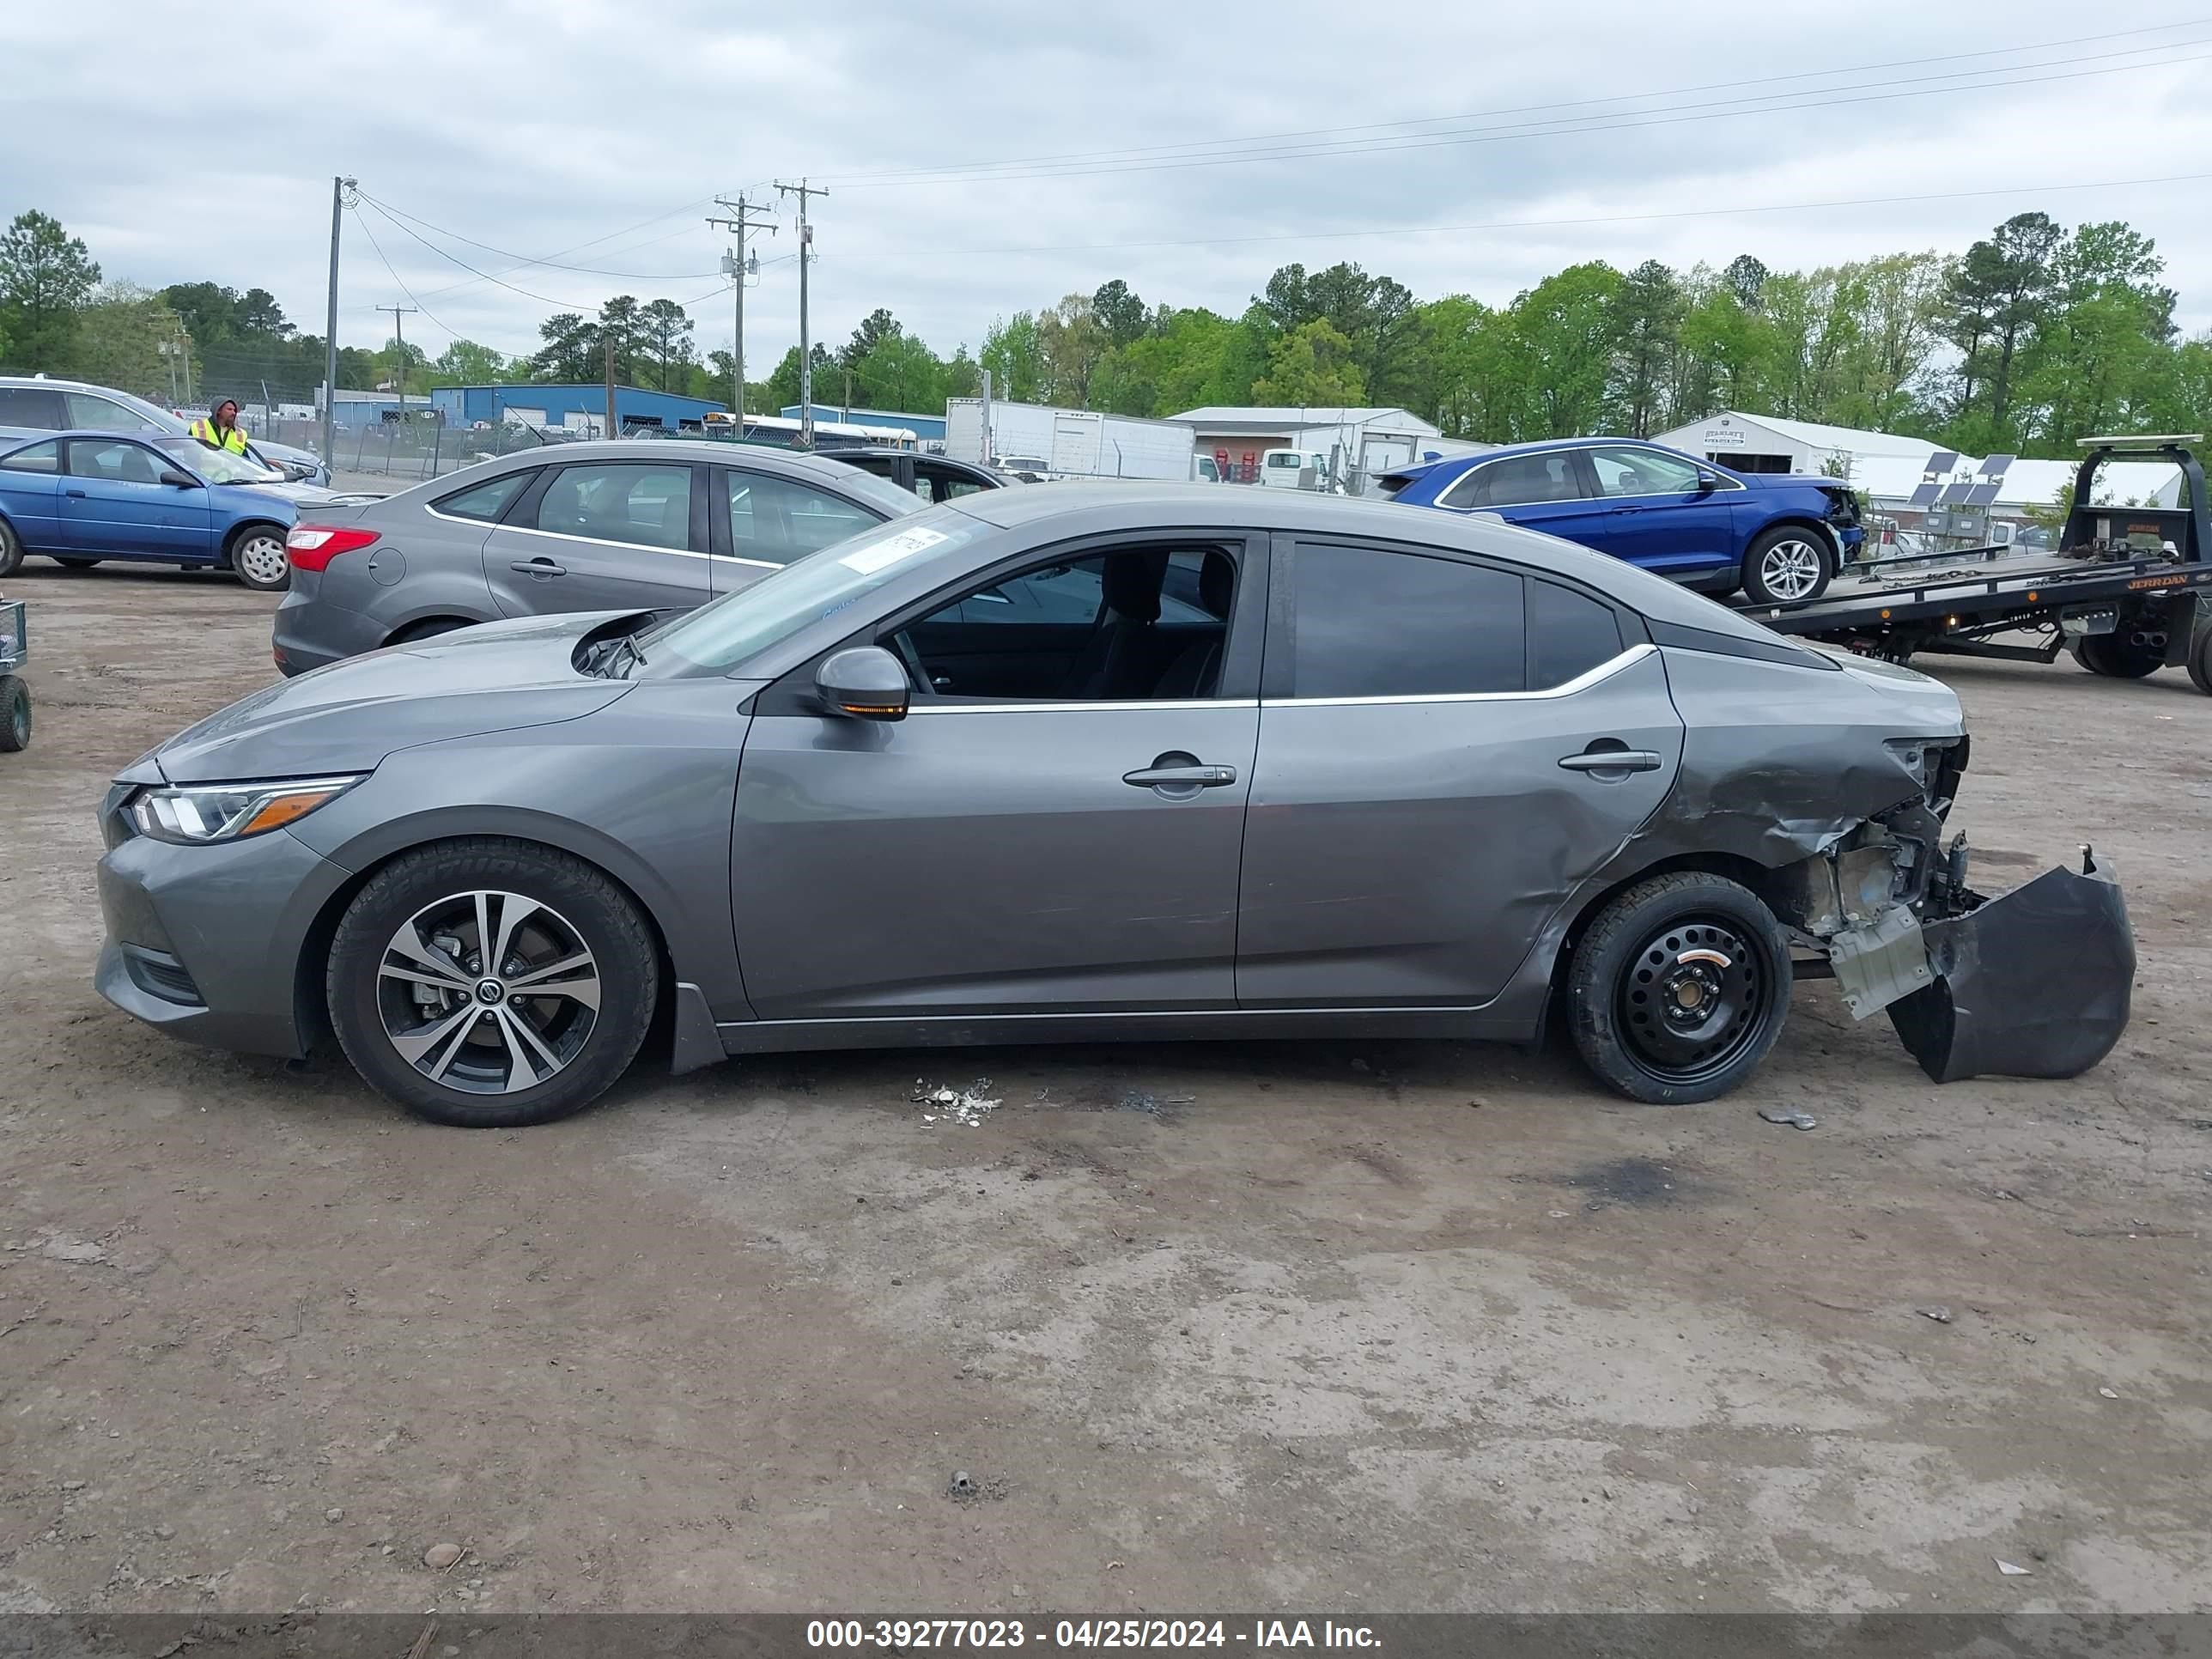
pixel 1778 536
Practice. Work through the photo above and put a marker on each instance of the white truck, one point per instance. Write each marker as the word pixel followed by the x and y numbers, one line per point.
pixel 1074 443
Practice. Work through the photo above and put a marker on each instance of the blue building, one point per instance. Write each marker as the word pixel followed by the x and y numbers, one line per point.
pixel 576 407
pixel 924 427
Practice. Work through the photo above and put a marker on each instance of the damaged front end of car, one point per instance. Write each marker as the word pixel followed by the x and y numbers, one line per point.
pixel 2034 982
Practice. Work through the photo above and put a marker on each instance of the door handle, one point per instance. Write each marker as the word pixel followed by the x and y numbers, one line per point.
pixel 539 568
pixel 1181 777
pixel 1612 760
pixel 78 495
pixel 1628 509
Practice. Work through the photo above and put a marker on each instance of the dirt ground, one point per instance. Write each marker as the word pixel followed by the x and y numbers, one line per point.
pixel 1355 1327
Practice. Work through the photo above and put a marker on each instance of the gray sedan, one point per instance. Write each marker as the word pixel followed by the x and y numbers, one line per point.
pixel 1083 762
pixel 587 526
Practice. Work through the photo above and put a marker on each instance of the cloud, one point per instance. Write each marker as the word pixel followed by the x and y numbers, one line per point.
pixel 596 135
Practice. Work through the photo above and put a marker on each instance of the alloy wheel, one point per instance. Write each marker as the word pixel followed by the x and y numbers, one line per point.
pixel 261 560
pixel 1790 569
pixel 488 992
pixel 1691 998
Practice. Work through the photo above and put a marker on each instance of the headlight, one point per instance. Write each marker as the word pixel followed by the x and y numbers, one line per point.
pixel 199 814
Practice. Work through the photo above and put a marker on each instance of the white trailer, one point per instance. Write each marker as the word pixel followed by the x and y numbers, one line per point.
pixel 1074 443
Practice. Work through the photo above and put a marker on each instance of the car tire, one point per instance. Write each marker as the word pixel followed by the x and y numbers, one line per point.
pixel 2113 657
pixel 1679 988
pixel 255 555
pixel 2200 659
pixel 74 564
pixel 14 714
pixel 425 1024
pixel 1788 565
pixel 11 549
pixel 428 628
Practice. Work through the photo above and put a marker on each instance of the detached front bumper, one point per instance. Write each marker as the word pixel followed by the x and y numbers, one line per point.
pixel 2036 982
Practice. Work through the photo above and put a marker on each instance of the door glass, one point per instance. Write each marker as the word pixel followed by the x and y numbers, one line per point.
pixel 35 458
pixel 1517 481
pixel 1569 634
pixel 119 462
pixel 776 521
pixel 1373 624
pixel 488 500
pixel 646 506
pixel 38 408
pixel 1139 625
pixel 1643 472
pixel 104 415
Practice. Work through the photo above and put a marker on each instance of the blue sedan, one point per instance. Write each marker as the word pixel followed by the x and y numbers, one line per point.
pixel 80 497
pixel 1778 536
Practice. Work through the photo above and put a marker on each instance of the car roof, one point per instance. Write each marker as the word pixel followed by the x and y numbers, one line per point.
pixel 1108 507
pixel 106 434
pixel 795 463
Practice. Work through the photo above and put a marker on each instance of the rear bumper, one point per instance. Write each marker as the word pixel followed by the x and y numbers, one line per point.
pixel 311 633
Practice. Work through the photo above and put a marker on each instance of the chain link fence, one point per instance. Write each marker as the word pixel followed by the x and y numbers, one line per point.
pixel 411 450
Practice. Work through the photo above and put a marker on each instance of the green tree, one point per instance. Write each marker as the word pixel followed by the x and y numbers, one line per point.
pixel 667 327
pixel 1998 296
pixel 47 278
pixel 878 327
pixel 1648 319
pixel 570 352
pixel 1072 343
pixel 120 338
pixel 466 363
pixel 1120 312
pixel 1311 366
pixel 622 325
pixel 1568 327
pixel 1013 355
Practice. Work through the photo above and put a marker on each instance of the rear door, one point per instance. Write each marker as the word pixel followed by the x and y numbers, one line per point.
pixel 762 521
pixel 1550 490
pixel 31 495
pixel 115 505
pixel 26 409
pixel 1656 516
pixel 1430 782
pixel 603 535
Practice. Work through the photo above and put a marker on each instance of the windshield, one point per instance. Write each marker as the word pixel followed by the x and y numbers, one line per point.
pixel 864 485
pixel 717 637
pixel 218 465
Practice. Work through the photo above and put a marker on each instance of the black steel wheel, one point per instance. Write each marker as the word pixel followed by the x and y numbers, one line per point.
pixel 1680 987
pixel 2119 656
pixel 14 714
pixel 11 549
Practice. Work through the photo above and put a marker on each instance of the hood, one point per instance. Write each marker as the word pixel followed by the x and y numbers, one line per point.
pixel 349 716
pixel 1793 481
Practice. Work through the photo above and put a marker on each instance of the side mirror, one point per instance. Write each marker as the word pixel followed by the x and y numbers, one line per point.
pixel 866 683
pixel 1707 481
pixel 177 480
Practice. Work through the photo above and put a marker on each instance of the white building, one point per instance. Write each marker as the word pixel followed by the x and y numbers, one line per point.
pixel 1355 444
pixel 1768 443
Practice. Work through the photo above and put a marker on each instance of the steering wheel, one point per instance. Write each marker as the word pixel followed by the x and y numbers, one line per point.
pixel 916 670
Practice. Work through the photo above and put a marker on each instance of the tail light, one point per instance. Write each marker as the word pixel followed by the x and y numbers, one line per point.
pixel 312 546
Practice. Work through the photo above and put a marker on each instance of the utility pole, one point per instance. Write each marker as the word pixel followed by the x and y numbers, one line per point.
pixel 802 190
pixel 338 188
pixel 400 340
pixel 739 271
pixel 611 386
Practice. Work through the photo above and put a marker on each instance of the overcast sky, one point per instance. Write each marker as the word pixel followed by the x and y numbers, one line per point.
pixel 184 144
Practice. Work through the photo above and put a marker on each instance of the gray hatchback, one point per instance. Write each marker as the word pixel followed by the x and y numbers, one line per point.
pixel 1091 761
pixel 629 524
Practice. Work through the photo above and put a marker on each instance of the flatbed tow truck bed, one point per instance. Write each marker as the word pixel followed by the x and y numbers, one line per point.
pixel 2123 594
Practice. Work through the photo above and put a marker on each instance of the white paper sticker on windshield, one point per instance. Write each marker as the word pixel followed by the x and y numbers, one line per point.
pixel 881 556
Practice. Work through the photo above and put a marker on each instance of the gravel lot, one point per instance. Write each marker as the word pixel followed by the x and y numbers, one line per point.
pixel 1359 1327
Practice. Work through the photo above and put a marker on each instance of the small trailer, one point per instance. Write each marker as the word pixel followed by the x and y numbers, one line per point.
pixel 14 695
pixel 2123 592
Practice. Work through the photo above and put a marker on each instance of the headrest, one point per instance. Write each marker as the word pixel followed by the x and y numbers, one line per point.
pixel 1130 584
pixel 1216 584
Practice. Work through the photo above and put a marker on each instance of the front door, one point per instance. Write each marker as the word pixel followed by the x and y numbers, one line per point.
pixel 1054 827
pixel 603 535
pixel 1658 515
pixel 1432 778
pixel 115 505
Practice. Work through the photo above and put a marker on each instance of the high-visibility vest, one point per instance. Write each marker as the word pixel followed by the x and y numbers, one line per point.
pixel 234 440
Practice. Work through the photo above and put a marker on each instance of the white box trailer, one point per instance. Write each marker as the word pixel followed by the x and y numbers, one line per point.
pixel 1076 443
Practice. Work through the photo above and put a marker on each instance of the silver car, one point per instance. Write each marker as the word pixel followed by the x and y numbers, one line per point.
pixel 628 523
pixel 1050 765
pixel 33 403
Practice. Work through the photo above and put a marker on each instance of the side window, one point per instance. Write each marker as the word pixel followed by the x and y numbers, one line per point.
pixel 1144 624
pixel 645 505
pixel 1642 472
pixel 776 521
pixel 1517 481
pixel 1373 624
pixel 1569 634
pixel 35 458
pixel 35 407
pixel 104 414
pixel 119 462
pixel 488 500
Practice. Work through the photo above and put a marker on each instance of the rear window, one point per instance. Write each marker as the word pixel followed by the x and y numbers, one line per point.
pixel 37 407
pixel 488 500
pixel 1569 634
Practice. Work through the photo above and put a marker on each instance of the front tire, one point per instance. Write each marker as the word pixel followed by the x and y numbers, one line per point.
pixel 11 549
pixel 2114 657
pixel 256 557
pixel 1788 565
pixel 1678 988
pixel 14 714
pixel 492 984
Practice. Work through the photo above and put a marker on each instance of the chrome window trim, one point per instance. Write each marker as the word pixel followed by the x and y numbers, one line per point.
pixel 1582 682
pixel 1076 706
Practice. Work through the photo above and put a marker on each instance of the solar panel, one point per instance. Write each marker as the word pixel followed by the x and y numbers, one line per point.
pixel 1939 466
pixel 1990 480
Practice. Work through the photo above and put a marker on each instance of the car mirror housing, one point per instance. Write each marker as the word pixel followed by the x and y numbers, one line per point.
pixel 866 683
pixel 177 480
pixel 1708 481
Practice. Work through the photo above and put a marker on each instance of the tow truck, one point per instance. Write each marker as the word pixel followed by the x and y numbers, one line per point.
pixel 2123 591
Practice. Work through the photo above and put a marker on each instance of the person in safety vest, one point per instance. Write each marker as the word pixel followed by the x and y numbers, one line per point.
pixel 221 430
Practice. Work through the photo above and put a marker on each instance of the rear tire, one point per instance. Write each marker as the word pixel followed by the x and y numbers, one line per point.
pixel 460 1038
pixel 14 714
pixel 74 564
pixel 2200 660
pixel 11 549
pixel 428 628
pixel 1678 988
pixel 2114 658
pixel 256 555
pixel 1789 564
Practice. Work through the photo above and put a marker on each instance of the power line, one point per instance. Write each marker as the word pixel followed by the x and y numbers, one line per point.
pixel 1630 121
pixel 896 175
pixel 548 264
pixel 396 277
